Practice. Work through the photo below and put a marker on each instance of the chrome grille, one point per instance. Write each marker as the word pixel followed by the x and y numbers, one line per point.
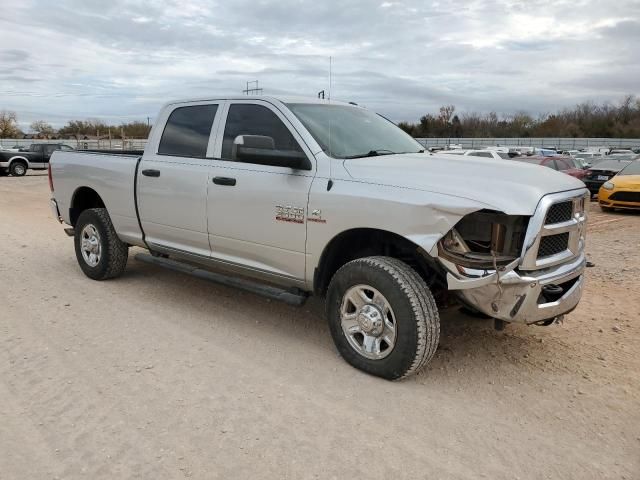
pixel 553 244
pixel 556 231
pixel 559 212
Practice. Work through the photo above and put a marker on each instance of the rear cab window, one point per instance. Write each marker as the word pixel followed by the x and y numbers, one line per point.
pixel 482 154
pixel 562 164
pixel 187 131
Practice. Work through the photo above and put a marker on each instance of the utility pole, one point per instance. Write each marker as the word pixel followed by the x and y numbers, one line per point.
pixel 256 89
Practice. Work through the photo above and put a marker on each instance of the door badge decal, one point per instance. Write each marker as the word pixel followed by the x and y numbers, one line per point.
pixel 316 216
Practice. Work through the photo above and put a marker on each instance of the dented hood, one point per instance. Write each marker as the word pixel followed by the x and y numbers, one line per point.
pixel 508 186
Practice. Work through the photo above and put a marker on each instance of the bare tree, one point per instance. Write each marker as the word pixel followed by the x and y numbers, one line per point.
pixel 8 124
pixel 446 112
pixel 42 128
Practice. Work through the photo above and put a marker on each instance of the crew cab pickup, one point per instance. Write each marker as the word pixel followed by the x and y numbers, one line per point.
pixel 35 157
pixel 328 198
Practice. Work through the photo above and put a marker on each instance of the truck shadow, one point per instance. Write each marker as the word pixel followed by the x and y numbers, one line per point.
pixel 467 343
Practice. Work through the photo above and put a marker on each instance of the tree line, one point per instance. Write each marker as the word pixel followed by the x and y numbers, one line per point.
pixel 76 129
pixel 619 120
pixel 588 120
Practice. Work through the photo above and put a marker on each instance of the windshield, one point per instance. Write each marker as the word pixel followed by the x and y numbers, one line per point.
pixel 631 169
pixel 353 132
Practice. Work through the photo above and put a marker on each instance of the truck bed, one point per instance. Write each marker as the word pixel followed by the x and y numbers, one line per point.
pixel 111 175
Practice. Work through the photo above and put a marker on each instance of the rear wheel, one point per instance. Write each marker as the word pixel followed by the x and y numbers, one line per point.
pixel 18 169
pixel 382 316
pixel 99 251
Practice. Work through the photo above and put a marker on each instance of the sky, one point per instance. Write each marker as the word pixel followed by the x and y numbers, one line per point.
pixel 120 60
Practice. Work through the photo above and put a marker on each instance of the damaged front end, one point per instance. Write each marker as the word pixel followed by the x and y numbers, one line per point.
pixel 514 268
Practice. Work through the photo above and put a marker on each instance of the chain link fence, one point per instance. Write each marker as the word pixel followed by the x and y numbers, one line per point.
pixel 548 142
pixel 80 144
pixel 542 142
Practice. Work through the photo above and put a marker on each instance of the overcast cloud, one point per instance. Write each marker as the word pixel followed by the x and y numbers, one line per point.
pixel 120 60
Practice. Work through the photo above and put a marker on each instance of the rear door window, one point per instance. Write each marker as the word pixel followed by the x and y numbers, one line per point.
pixel 49 149
pixel 187 131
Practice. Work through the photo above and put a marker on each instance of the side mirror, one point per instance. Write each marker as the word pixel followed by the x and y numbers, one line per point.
pixel 260 149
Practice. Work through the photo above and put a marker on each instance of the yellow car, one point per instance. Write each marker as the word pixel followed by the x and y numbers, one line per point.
pixel 623 190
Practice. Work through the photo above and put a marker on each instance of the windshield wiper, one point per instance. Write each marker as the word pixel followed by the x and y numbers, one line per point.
pixel 375 153
pixel 371 153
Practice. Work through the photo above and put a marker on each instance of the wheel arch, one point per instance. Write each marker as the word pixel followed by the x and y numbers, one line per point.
pixel 356 243
pixel 83 198
pixel 18 158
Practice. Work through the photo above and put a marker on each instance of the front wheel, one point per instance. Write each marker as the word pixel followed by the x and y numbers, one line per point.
pixel 383 317
pixel 99 251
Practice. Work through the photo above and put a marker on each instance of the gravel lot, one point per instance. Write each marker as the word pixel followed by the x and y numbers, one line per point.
pixel 158 375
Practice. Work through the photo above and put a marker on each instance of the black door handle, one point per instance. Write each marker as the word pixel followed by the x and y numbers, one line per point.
pixel 224 181
pixel 151 173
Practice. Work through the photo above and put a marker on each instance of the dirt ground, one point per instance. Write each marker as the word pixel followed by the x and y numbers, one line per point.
pixel 159 375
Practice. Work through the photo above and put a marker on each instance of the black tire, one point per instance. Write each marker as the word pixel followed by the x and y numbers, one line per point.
pixel 606 209
pixel 415 310
pixel 18 169
pixel 113 251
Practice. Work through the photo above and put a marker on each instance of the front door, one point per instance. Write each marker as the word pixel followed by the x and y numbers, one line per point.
pixel 172 182
pixel 257 211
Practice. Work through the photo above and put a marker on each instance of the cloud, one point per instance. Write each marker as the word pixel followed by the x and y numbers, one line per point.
pixel 123 59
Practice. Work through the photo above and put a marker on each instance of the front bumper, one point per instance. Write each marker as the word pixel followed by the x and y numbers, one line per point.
pixel 604 199
pixel 519 296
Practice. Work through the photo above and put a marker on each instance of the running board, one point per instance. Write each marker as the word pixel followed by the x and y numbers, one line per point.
pixel 275 293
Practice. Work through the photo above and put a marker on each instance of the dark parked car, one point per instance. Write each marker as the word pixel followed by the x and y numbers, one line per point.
pixel 560 163
pixel 35 157
pixel 602 172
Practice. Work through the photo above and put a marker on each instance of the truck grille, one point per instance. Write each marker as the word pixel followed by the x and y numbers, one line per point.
pixel 553 244
pixel 559 212
pixel 625 196
pixel 556 231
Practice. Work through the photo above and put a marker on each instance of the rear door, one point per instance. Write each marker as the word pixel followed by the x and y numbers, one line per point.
pixel 257 212
pixel 173 179
pixel 36 157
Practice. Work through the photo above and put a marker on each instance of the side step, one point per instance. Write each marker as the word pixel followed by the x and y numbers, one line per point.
pixel 268 291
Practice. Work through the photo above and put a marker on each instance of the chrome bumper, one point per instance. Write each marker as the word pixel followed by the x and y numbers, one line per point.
pixel 55 210
pixel 517 296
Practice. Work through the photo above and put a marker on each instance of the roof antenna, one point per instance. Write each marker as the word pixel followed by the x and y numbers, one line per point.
pixel 330 182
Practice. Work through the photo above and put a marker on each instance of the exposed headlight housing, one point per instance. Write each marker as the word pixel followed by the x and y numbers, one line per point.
pixel 608 185
pixel 484 240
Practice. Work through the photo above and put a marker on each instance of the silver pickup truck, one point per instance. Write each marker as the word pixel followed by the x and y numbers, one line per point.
pixel 291 197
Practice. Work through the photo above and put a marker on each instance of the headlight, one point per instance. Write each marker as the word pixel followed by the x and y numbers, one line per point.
pixel 484 240
pixel 608 185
